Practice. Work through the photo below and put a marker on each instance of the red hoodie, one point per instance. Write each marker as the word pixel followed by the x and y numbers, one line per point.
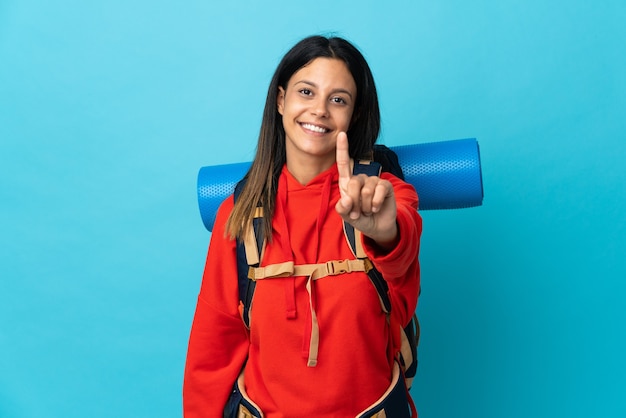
pixel 353 364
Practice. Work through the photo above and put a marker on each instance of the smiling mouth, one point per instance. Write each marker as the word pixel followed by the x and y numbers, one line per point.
pixel 315 128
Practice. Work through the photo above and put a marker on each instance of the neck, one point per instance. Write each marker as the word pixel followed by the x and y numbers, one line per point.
pixel 304 172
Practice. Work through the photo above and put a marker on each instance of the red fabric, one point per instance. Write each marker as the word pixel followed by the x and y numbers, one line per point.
pixel 354 367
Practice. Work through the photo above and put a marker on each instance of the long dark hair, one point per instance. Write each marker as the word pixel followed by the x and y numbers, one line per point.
pixel 262 177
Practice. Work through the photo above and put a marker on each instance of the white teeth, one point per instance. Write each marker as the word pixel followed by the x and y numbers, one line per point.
pixel 314 128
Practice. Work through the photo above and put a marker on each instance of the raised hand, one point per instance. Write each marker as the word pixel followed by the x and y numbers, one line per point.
pixel 367 202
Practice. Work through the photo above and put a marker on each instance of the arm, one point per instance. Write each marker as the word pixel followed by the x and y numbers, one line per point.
pixel 400 264
pixel 384 209
pixel 218 344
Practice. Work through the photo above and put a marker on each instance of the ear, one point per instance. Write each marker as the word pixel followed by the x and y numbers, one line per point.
pixel 280 100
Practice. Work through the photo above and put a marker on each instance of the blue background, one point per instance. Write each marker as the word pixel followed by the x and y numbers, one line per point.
pixel 108 110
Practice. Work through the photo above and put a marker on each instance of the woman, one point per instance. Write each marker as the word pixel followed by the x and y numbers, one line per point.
pixel 315 348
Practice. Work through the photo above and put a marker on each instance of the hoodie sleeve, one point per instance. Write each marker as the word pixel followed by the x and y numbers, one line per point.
pixel 218 343
pixel 400 266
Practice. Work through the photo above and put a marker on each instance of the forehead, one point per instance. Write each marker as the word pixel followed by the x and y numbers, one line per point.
pixel 325 72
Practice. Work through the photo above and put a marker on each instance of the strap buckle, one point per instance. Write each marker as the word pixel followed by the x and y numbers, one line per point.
pixel 336 267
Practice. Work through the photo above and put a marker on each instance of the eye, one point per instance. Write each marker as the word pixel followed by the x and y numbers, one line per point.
pixel 305 92
pixel 338 100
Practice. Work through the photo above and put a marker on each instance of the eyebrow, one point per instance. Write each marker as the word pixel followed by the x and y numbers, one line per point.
pixel 312 84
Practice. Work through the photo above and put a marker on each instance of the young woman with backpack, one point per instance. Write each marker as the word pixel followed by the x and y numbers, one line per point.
pixel 317 342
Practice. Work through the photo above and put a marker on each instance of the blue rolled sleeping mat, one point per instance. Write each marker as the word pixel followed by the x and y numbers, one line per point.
pixel 445 174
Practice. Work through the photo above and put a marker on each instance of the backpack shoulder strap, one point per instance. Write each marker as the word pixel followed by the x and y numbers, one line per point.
pixel 410 333
pixel 249 253
pixel 369 168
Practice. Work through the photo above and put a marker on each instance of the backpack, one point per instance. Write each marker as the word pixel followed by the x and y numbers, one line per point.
pixel 249 257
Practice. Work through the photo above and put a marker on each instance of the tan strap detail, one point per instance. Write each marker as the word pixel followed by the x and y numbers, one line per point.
pixel 315 271
pixel 285 269
pixel 364 162
pixel 252 251
pixel 358 240
pixel 333 268
pixel 243 411
pixel 368 264
pixel 395 376
pixel 405 348
pixel 314 344
pixel 249 242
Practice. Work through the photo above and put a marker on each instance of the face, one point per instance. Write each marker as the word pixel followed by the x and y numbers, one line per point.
pixel 316 105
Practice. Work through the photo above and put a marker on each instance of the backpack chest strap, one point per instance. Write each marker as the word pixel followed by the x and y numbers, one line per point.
pixel 314 271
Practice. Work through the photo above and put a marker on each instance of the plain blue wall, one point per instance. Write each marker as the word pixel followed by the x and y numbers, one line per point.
pixel 108 110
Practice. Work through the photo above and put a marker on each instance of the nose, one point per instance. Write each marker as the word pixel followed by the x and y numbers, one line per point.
pixel 319 107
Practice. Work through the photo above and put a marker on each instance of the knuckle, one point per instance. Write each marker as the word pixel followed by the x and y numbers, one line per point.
pixel 367 191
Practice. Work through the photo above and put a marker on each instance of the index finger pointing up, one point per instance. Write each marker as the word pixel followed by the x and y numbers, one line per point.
pixel 343 156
